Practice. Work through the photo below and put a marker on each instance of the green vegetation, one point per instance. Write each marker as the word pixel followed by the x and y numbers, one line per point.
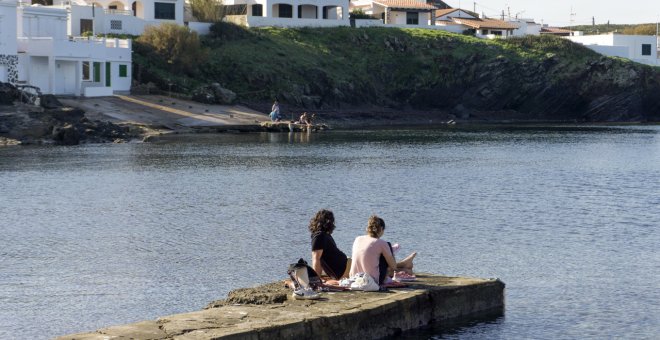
pixel 170 48
pixel 385 67
pixel 207 10
pixel 640 29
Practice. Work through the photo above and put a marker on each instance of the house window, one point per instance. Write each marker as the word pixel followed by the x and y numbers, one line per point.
pixel 497 33
pixel 86 72
pixel 412 18
pixel 123 71
pixel 164 11
pixel 86 25
pixel 112 7
pixel 115 24
pixel 484 32
pixel 286 11
pixel 646 49
pixel 257 10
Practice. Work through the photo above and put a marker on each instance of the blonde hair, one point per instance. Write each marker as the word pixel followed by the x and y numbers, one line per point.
pixel 375 226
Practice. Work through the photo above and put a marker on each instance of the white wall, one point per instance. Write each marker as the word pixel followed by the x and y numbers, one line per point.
pixel 400 18
pixel 8 28
pixel 42 22
pixel 38 72
pixel 121 83
pixel 526 27
pixel 202 28
pixel 619 45
pixel 456 14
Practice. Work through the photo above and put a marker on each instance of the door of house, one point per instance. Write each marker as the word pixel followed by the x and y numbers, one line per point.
pixel 108 74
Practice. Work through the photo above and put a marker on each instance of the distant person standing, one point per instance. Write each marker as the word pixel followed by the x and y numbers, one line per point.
pixel 275 112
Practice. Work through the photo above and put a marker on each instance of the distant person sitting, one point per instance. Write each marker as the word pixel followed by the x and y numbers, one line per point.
pixel 374 256
pixel 275 112
pixel 326 257
pixel 305 119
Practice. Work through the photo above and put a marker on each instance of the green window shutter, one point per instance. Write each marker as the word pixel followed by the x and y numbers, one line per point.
pixel 123 71
pixel 108 74
pixel 97 72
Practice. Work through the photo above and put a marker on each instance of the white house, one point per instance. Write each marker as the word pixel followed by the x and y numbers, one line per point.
pixel 525 27
pixel 398 13
pixel 8 46
pixel 288 13
pixel 120 16
pixel 639 48
pixel 62 65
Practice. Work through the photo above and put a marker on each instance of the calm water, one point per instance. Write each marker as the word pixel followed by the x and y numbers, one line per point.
pixel 97 235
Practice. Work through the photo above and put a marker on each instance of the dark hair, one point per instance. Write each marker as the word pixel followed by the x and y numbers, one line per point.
pixel 375 226
pixel 323 221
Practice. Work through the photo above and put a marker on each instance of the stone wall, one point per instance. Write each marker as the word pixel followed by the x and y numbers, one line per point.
pixel 12 67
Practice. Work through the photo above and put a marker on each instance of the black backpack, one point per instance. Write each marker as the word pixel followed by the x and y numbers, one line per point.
pixel 313 278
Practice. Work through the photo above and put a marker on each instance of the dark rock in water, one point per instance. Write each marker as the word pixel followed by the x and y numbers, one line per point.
pixel 66 135
pixel 8 94
pixel 214 94
pixel 49 101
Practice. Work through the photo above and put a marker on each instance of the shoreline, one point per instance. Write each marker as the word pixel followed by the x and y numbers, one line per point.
pixel 147 118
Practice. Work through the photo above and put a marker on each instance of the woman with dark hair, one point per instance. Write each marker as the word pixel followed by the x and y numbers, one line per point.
pixel 374 256
pixel 325 254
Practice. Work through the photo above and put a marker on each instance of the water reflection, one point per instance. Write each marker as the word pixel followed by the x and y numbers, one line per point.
pixel 95 235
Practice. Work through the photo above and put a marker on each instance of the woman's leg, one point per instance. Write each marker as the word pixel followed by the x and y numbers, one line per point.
pixel 406 264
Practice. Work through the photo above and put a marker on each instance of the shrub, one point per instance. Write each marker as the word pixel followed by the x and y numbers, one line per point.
pixel 177 46
pixel 207 10
pixel 358 13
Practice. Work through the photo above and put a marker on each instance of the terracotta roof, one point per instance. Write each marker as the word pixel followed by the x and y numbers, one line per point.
pixel 443 12
pixel 555 30
pixel 407 4
pixel 486 23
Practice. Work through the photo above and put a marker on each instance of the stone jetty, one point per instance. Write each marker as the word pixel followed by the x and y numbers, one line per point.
pixel 269 312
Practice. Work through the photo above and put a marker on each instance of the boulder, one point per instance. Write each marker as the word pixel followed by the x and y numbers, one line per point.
pixel 66 135
pixel 8 94
pixel 49 101
pixel 214 94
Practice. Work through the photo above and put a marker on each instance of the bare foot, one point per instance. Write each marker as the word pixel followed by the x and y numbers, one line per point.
pixel 406 264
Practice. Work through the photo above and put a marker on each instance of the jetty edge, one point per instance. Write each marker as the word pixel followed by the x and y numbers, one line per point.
pixel 269 312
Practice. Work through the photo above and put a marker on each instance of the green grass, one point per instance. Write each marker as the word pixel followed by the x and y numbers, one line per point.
pixel 380 66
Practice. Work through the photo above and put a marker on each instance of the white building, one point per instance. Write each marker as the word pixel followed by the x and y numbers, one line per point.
pixel 8 46
pixel 288 13
pixel 396 13
pixel 58 64
pixel 120 16
pixel 639 48
pixel 525 27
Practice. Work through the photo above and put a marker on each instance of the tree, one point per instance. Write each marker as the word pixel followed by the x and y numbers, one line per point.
pixel 207 10
pixel 177 46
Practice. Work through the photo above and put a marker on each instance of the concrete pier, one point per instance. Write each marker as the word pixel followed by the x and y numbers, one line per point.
pixel 268 312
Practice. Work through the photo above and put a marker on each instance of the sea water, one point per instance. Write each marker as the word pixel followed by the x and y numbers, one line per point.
pixel 567 217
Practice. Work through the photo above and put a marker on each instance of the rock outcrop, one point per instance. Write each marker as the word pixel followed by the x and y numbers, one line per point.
pixel 61 126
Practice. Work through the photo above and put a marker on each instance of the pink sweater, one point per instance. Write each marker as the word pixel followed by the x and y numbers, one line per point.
pixel 366 253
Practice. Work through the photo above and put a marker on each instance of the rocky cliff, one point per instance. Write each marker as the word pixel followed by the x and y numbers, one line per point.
pixel 531 78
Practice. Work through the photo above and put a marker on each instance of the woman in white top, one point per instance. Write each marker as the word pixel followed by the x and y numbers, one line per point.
pixel 374 256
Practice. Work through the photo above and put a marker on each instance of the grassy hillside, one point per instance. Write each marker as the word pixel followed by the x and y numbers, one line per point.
pixel 415 68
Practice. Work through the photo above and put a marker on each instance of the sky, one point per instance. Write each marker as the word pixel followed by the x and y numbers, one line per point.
pixel 558 12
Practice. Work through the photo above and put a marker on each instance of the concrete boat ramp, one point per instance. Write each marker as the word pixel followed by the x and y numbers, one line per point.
pixel 269 312
pixel 166 112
